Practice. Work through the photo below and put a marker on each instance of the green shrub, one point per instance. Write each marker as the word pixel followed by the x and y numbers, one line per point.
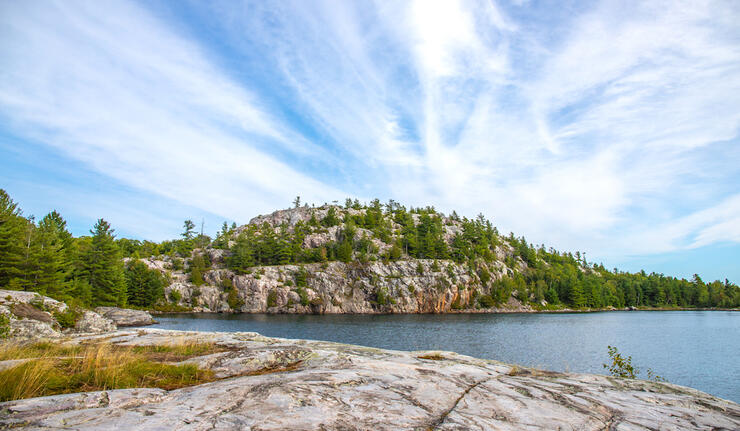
pixel 419 268
pixel 620 366
pixel 486 301
pixel 69 318
pixel 272 299
pixel 175 296
pixel 234 301
pixel 303 294
pixel 4 326
pixel 301 277
pixel 177 264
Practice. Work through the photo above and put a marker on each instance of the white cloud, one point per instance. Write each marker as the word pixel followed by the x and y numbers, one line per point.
pixel 111 86
pixel 588 131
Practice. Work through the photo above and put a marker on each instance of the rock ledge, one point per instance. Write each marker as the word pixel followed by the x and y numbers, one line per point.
pixel 280 384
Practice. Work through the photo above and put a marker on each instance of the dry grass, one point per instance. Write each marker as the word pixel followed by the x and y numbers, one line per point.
pixel 433 357
pixel 57 369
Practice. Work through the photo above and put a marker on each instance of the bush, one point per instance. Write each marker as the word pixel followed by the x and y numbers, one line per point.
pixel 69 318
pixel 622 367
pixel 301 277
pixel 234 301
pixel 303 294
pixel 175 296
pixel 486 301
pixel 226 283
pixel 4 326
pixel 272 299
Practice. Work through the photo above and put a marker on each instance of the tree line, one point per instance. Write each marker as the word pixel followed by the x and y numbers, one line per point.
pixel 99 269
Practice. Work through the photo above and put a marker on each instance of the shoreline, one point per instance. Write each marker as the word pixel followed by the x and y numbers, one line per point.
pixel 486 311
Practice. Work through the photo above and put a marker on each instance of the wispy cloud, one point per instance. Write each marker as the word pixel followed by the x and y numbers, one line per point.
pixel 605 126
pixel 111 86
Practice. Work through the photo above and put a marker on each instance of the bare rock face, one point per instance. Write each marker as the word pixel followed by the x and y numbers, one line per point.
pixel 92 322
pixel 125 316
pixel 278 384
pixel 404 286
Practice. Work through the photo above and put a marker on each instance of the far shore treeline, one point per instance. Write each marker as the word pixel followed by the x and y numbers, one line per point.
pixel 99 269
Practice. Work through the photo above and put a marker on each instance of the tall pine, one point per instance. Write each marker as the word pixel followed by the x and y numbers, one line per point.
pixel 103 267
pixel 12 229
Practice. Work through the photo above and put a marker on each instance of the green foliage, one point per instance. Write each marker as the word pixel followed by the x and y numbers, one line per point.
pixel 175 296
pixel 197 268
pixel 234 300
pixel 272 299
pixel 486 301
pixel 331 218
pixel 69 318
pixel 301 291
pixel 300 277
pixel 4 326
pixel 144 286
pixel 622 367
pixel 102 267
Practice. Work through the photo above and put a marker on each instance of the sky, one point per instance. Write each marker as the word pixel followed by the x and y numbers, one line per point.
pixel 609 127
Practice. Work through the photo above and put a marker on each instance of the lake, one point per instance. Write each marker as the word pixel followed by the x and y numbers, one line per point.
pixel 700 349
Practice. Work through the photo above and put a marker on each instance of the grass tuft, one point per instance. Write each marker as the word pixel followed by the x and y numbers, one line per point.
pixel 58 369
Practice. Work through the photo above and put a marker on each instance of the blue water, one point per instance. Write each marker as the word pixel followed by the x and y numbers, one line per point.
pixel 700 349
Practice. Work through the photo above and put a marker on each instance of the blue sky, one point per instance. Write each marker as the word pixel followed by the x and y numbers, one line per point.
pixel 609 127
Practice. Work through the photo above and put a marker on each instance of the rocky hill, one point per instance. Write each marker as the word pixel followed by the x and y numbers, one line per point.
pixel 277 384
pixel 378 275
pixel 387 259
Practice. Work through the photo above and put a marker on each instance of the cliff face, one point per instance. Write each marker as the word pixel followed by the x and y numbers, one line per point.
pixel 279 384
pixel 415 286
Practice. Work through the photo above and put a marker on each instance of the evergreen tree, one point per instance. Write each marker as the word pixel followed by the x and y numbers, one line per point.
pixel 144 286
pixel 189 232
pixel 55 257
pixel 103 268
pixel 12 228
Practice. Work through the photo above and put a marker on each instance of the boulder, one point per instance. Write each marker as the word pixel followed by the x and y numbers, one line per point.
pixel 125 316
pixel 92 322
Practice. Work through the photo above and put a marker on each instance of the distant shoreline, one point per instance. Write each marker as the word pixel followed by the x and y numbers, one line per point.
pixel 488 311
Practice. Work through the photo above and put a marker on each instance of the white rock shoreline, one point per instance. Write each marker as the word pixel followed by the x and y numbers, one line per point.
pixel 277 384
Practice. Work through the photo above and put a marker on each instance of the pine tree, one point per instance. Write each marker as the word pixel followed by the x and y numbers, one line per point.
pixel 189 232
pixel 12 226
pixel 144 286
pixel 103 268
pixel 55 257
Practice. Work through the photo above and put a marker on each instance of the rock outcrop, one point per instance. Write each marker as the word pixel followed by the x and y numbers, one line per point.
pixel 125 316
pixel 28 315
pixel 405 286
pixel 94 323
pixel 277 384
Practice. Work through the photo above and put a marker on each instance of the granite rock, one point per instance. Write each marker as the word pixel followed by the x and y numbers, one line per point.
pixel 277 384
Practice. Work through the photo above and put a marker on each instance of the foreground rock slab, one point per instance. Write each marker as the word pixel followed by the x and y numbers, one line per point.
pixel 278 384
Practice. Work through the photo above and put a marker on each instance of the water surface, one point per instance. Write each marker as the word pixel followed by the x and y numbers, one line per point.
pixel 700 349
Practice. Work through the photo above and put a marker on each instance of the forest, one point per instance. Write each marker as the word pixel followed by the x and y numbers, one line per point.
pixel 99 269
